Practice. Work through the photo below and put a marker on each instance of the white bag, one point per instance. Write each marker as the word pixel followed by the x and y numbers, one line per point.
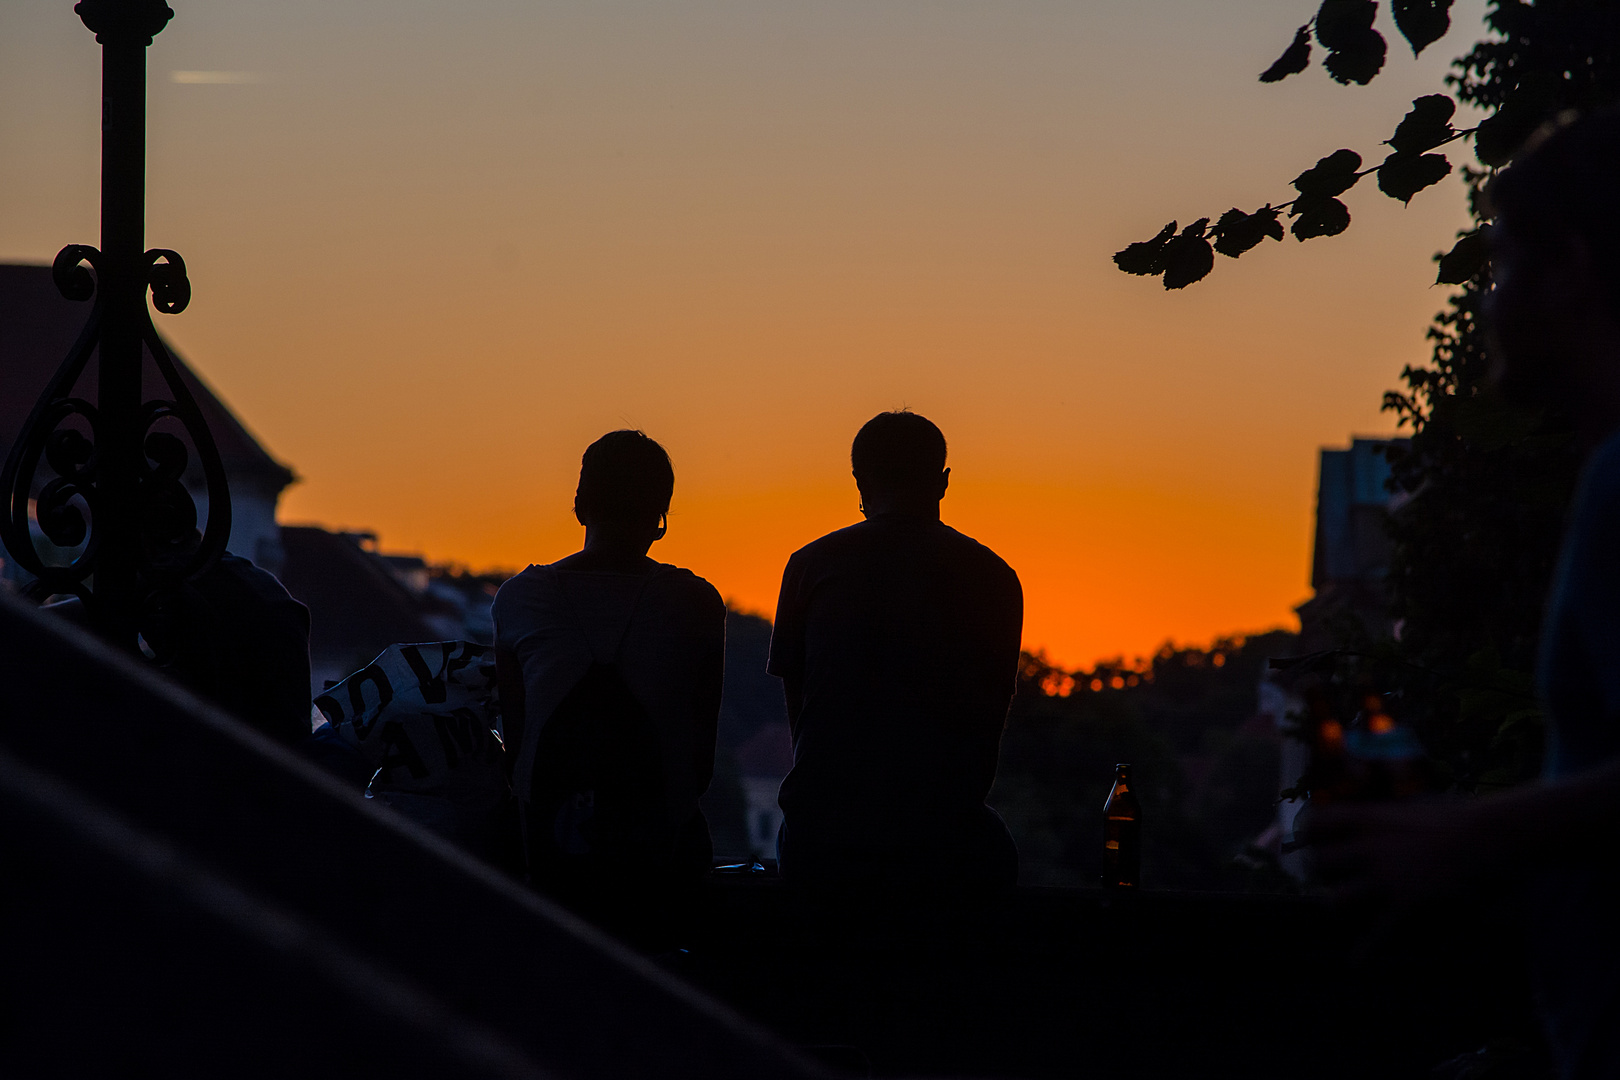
pixel 426 718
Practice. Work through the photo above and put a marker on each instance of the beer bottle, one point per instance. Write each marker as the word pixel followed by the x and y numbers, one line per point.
pixel 1122 834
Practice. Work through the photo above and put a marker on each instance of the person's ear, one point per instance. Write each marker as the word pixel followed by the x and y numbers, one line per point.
pixel 579 516
pixel 944 482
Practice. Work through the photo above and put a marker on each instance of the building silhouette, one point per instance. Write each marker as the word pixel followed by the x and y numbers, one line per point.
pixel 1351 550
pixel 360 600
pixel 1349 564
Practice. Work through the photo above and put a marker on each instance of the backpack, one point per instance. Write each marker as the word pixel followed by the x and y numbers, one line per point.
pixel 597 793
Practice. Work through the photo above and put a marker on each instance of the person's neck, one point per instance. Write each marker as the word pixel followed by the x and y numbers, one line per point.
pixel 923 509
pixel 610 550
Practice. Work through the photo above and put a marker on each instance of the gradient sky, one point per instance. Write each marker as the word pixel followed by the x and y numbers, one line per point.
pixel 438 248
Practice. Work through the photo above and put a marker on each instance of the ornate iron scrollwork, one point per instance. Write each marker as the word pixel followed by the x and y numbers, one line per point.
pixel 68 432
pixel 114 505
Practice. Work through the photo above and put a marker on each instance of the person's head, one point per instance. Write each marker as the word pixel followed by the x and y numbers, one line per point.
pixel 899 463
pixel 1555 337
pixel 625 484
pixel 168 527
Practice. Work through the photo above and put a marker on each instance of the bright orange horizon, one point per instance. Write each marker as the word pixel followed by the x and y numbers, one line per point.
pixel 438 249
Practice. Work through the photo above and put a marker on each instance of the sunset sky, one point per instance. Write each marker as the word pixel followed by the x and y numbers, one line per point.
pixel 437 248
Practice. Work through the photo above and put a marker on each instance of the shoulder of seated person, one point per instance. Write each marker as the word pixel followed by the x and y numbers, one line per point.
pixel 523 583
pixel 836 538
pixel 517 580
pixel 983 550
pixel 249 574
pixel 679 577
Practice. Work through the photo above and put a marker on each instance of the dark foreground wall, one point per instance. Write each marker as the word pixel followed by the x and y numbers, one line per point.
pixel 1062 983
pixel 181 898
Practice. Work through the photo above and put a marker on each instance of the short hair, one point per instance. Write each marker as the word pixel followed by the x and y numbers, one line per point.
pixel 624 478
pixel 1563 187
pixel 895 451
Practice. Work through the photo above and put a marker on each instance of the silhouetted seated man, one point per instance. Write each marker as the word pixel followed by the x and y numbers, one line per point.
pixel 897 644
pixel 610 667
pixel 232 635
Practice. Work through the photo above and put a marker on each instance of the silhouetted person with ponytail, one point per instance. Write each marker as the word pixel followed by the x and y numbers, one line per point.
pixel 897 644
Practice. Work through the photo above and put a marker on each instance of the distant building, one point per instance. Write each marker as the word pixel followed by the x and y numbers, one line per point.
pixel 1349 567
pixel 38 327
pixel 361 601
pixel 764 760
pixel 754 733
pixel 1350 557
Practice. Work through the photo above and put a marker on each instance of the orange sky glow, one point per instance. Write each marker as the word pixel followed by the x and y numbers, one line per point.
pixel 439 248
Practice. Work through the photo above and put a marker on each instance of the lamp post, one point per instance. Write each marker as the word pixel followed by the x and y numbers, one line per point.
pixel 116 502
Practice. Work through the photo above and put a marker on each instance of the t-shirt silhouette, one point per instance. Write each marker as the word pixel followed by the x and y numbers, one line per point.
pixel 235 636
pixel 663 632
pixel 901 636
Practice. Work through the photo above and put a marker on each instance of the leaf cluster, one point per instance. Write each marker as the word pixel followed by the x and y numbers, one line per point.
pixel 1316 210
pixel 1355 51
pixel 1543 60
pixel 1484 485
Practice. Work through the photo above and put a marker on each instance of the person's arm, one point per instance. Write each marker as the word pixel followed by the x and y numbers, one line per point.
pixel 786 660
pixel 284 666
pixel 710 689
pixel 794 693
pixel 1409 851
pixel 509 682
pixel 1014 641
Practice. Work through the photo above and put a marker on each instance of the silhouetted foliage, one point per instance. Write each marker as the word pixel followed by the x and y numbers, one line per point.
pixel 1188 257
pixel 1425 126
pixel 1355 50
pixel 1542 58
pixel 1421 22
pixel 1295 59
pixel 1146 257
pixel 1482 484
pixel 1403 175
pixel 1467 257
pixel 1487 482
pixel 1237 232
pixel 1355 53
pixel 1476 538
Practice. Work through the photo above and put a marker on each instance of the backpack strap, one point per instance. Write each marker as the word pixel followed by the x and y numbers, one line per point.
pixel 624 628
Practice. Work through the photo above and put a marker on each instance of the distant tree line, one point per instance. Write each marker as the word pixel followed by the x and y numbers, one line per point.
pixel 1206 764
